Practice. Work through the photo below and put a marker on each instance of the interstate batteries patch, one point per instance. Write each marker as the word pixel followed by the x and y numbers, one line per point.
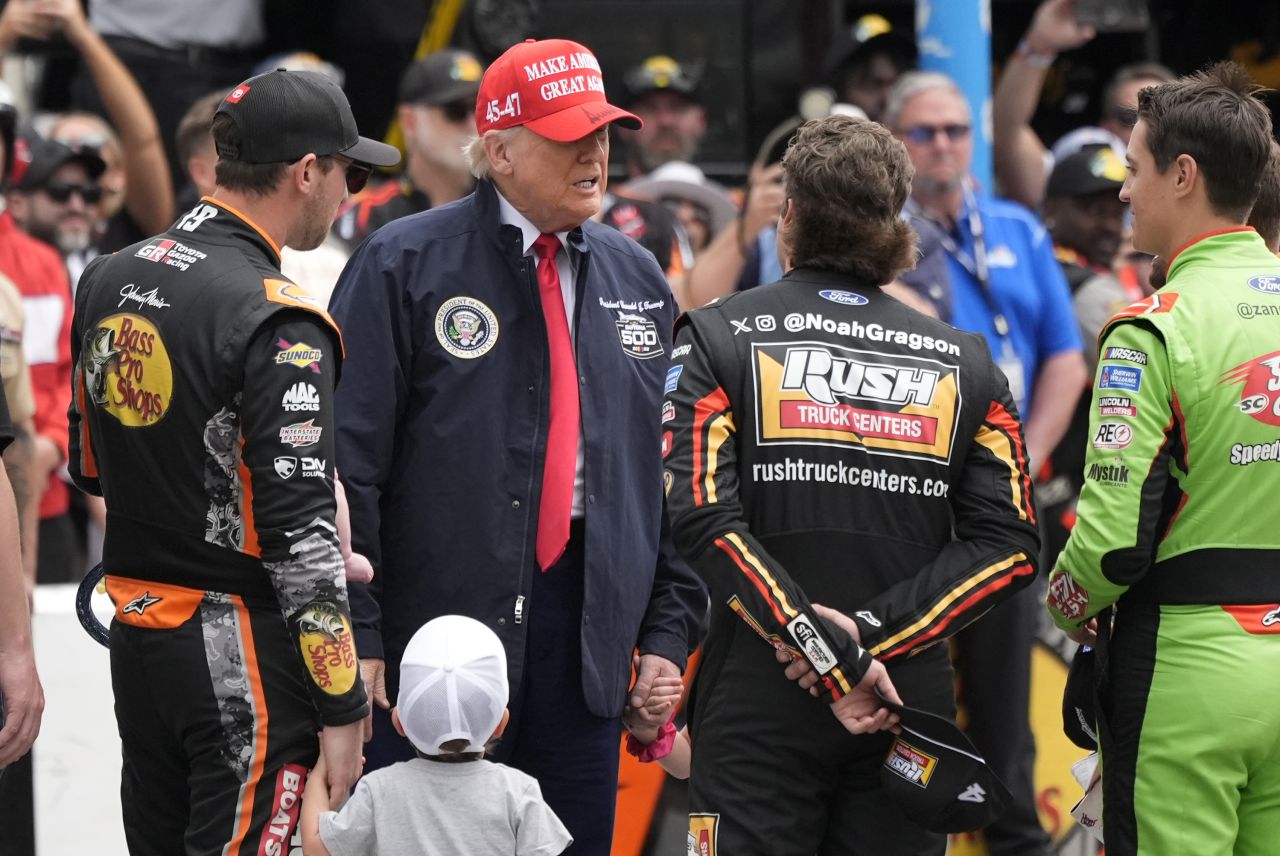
pixel 815 393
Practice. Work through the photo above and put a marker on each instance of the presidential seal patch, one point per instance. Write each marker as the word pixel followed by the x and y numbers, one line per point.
pixel 466 328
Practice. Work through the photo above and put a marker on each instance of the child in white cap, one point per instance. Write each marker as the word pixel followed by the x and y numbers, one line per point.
pixel 448 800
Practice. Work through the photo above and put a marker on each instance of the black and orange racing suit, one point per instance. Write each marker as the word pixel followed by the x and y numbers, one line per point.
pixel 202 411
pixel 828 445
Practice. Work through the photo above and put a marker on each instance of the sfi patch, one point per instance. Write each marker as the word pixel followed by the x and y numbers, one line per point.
pixel 466 328
pixel 810 641
pixel 703 830
pixel 638 336
pixel 910 763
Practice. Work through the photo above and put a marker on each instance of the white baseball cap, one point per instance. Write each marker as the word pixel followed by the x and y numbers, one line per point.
pixel 453 684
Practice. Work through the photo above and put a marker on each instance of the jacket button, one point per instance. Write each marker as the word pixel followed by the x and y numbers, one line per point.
pixel 591 498
pixel 530 387
pixel 582 379
pixel 502 622
pixel 586 619
pixel 515 503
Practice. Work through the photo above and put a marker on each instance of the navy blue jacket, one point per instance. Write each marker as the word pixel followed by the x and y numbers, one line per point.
pixel 442 417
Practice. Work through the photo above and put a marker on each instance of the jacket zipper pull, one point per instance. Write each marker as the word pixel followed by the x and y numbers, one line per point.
pixel 519 609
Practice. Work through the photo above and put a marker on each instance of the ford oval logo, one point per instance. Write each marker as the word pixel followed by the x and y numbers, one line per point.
pixel 1269 284
pixel 848 298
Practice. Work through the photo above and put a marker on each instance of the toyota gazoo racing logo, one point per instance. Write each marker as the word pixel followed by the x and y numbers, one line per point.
pixel 1260 395
pixel 814 393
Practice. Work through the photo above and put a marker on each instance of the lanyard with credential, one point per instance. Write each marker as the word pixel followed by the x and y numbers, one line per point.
pixel 978 267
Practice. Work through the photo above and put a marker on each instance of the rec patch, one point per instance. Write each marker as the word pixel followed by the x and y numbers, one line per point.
pixel 466 328
pixel 639 336
pixel 1120 377
pixel 910 763
pixel 1112 435
pixel 126 370
pixel 815 393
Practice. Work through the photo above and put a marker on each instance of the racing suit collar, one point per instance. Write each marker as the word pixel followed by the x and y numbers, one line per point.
pixel 238 227
pixel 825 278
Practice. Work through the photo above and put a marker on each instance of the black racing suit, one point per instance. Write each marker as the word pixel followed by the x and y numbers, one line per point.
pixel 202 411
pixel 829 445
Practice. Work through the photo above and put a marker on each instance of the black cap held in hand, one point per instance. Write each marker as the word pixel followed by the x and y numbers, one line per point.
pixel 284 115
pixel 937 776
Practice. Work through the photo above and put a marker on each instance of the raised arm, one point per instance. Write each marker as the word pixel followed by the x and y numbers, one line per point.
pixel 1020 157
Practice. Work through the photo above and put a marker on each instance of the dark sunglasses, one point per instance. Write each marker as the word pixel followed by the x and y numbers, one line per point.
pixel 928 133
pixel 60 192
pixel 456 111
pixel 357 173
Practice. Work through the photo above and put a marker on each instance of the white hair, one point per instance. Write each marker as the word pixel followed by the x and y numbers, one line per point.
pixel 910 85
pixel 475 153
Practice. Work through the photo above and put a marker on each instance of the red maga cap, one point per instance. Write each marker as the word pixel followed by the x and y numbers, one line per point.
pixel 552 87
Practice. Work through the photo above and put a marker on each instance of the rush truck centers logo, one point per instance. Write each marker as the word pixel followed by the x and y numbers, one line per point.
pixel 813 393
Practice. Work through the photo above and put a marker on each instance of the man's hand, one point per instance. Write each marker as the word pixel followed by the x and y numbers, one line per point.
pixel 863 711
pixel 1085 634
pixel 765 195
pixel 340 760
pixel 651 668
pixel 23 704
pixel 374 673
pixel 798 668
pixel 1054 28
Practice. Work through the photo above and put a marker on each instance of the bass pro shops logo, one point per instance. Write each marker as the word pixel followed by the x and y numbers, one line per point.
pixel 126 370
pixel 814 393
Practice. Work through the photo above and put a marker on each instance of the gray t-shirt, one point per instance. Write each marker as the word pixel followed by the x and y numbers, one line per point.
pixel 422 808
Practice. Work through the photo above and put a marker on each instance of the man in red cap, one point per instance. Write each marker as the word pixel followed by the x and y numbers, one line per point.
pixel 499 436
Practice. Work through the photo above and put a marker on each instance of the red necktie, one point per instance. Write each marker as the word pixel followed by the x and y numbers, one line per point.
pixel 561 463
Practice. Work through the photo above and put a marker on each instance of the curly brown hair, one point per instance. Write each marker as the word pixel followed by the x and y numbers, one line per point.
pixel 1215 117
pixel 847 180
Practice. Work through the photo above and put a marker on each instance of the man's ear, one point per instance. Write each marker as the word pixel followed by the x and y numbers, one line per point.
pixel 306 173
pixel 498 149
pixel 1186 175
pixel 408 120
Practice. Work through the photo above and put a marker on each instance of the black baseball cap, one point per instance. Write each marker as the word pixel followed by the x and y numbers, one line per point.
pixel 283 115
pixel 441 77
pixel 41 158
pixel 937 777
pixel 663 74
pixel 1079 719
pixel 1093 169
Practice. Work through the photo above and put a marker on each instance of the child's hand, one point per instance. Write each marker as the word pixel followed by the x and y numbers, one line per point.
pixel 359 569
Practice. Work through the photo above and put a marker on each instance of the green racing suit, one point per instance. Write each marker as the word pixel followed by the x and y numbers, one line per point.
pixel 1177 529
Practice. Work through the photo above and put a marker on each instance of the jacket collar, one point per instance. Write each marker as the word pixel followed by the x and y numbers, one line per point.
pixel 512 239
pixel 237 227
